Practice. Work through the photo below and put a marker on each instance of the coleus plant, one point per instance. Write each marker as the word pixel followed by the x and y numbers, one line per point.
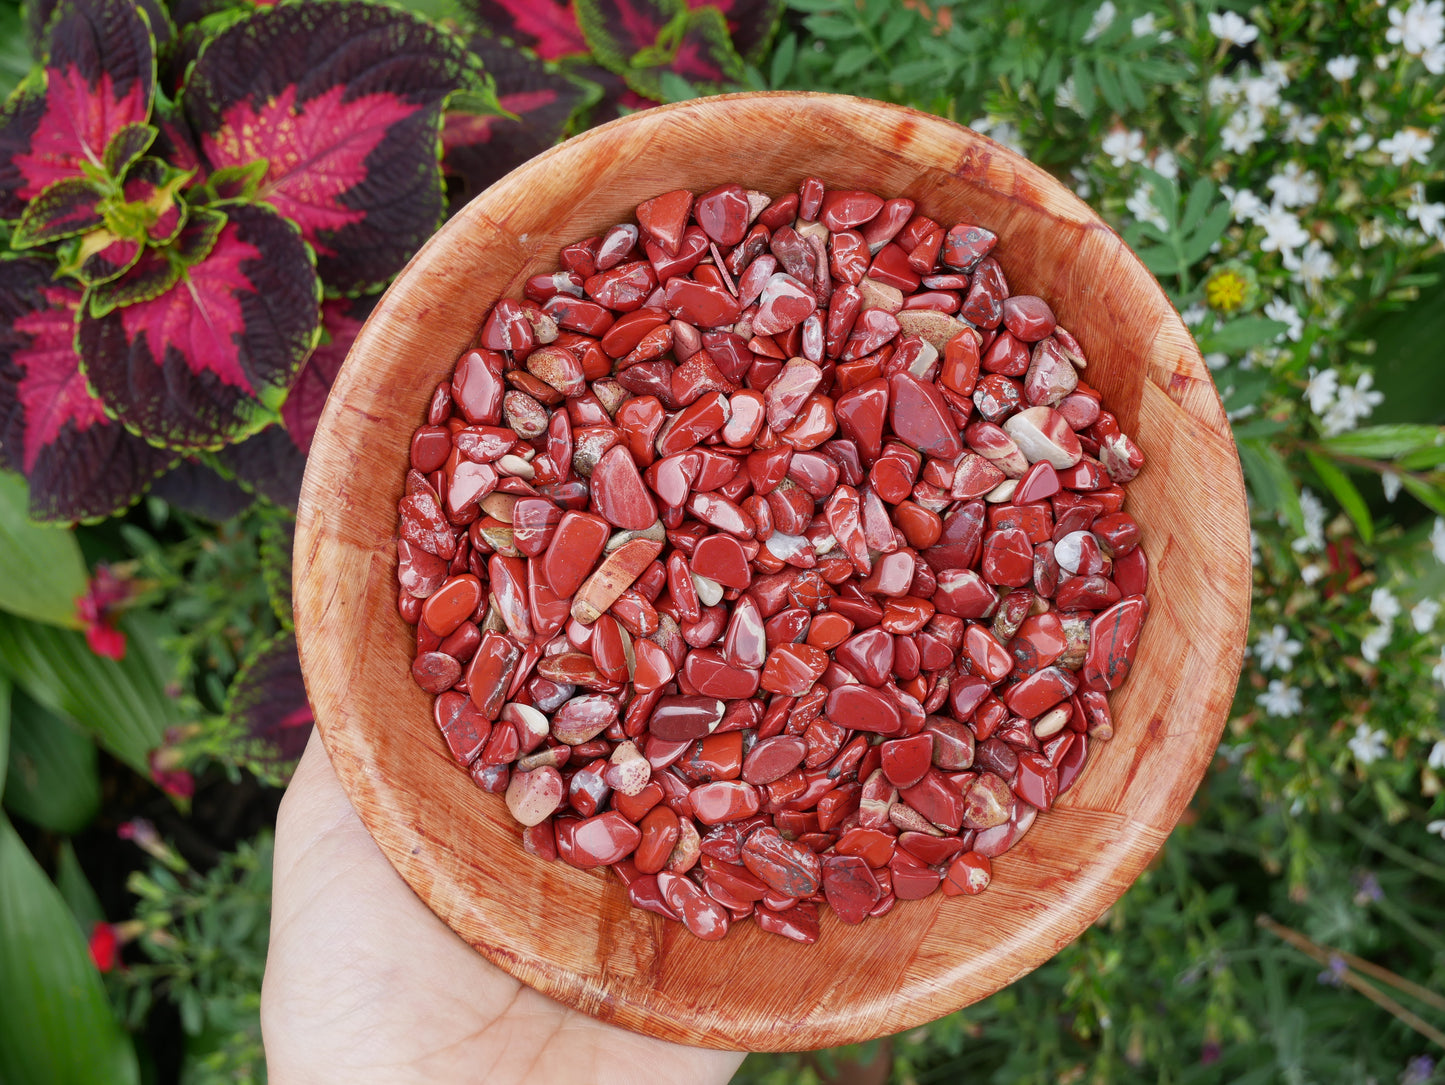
pixel 202 203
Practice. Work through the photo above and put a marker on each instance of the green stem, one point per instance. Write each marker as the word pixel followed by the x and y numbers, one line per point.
pixel 1394 851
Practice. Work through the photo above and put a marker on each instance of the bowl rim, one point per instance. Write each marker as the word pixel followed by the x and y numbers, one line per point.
pixel 1094 887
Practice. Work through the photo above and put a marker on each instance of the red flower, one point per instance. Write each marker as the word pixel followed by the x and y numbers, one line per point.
pixel 104 946
pixel 98 607
pixel 168 775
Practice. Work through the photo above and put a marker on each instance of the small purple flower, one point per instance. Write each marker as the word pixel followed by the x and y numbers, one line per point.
pixel 1334 975
pixel 1367 888
pixel 1418 1071
pixel 1209 1054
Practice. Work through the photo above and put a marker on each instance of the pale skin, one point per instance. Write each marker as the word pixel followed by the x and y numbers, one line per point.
pixel 364 985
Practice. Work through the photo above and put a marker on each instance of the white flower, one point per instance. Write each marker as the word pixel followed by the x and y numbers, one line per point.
pixel 1384 605
pixel 1314 517
pixel 1321 389
pixel 1194 315
pixel 1285 313
pixel 1221 89
pixel 1433 59
pixel 1390 483
pixel 1361 143
pixel 1423 615
pixel 1436 827
pixel 1141 206
pixel 1165 164
pixel 1438 671
pixel 1282 231
pixel 1124 145
pixel 1352 405
pixel 1244 205
pixel 1065 97
pixel 1436 759
pixel 1311 267
pixel 1419 28
pixel 1304 128
pixel 1242 131
pixel 1275 650
pixel 1218 360
pixel 1373 643
pixel 1261 92
pixel 1371 233
pixel 1144 25
pixel 1409 145
pixel 1102 20
pixel 1430 216
pixel 1280 699
pixel 1233 30
pixel 1342 69
pixel 1368 745
pixel 1312 572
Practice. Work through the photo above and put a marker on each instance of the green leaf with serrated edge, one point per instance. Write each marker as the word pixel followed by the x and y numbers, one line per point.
pixel 277 539
pixel 203 229
pixel 41 570
pixel 128 144
pixel 154 273
pixel 1386 442
pixel 122 703
pixel 1350 499
pixel 617 30
pixel 58 1025
pixel 69 207
pixel 1271 483
pixel 851 61
pixel 231 184
pixel 1428 494
pixel 54 776
pixel 76 889
pixel 99 257
pixel 151 209
pixel 1241 334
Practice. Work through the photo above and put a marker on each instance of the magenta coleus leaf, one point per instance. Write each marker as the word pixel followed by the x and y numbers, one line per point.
pixel 752 24
pixel 268 701
pixel 38 14
pixel 273 461
pixel 704 57
pixel 344 102
pixel 108 258
pixel 479 149
pixel 99 77
pixel 207 361
pixel 547 27
pixel 81 465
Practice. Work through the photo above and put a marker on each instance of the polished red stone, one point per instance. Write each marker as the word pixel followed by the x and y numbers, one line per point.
pixel 723 213
pixel 869 655
pixel 791 870
pixel 576 545
pixel 597 841
pixel 619 494
pixel 792 669
pixel 664 218
pixel 861 708
pixel 1113 641
pixel 850 887
pixel 721 558
pixel 724 800
pixel 709 672
pixel 906 760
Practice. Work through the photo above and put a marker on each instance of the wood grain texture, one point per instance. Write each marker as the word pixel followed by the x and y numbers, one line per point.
pixel 571 934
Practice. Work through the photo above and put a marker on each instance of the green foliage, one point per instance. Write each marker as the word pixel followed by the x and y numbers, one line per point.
pixel 53 780
pixel 57 1025
pixel 41 570
pixel 203 937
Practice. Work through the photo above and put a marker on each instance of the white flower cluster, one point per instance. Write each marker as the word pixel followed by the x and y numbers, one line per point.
pixel 1386 608
pixel 1313 540
pixel 1275 650
pixel 1368 745
pixel 1420 31
pixel 1341 407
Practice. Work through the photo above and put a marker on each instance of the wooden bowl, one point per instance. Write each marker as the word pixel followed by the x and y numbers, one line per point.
pixel 571 934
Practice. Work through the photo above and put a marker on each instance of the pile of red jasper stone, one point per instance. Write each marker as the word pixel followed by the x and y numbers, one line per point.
pixel 772 554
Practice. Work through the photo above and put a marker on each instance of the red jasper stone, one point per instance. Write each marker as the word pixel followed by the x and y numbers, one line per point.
pixel 792 669
pixel 906 760
pixel 1037 783
pixel 722 558
pixel 861 708
pixel 745 644
pixel 723 214
pixel 1040 691
pixel 664 219
pixel 845 209
pixel 477 387
pixel 619 493
pixel 1113 641
pixel 850 887
pixel 785 867
pixel 575 547
pixel 869 655
pixel 597 841
pixel 709 672
pixel 724 800
pixel 452 604
pixel 773 758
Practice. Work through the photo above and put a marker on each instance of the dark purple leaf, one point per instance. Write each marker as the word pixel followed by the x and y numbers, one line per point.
pixel 752 24
pixel 68 207
pixel 81 464
pixel 344 100
pixel 341 320
pixel 480 149
pixel 615 95
pixel 153 274
pixel 268 701
pixel 193 367
pixel 126 146
pixel 99 77
pixel 267 463
pixel 617 30
pixel 196 488
pixel 547 27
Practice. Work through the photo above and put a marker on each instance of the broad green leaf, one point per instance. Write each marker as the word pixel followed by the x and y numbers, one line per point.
pixel 1422 459
pixel 41 570
pixel 781 65
pixel 1241 334
pixel 1271 483
pixel 54 776
pixel 57 1027
pixel 1200 195
pixel 123 704
pixel 1386 442
pixel 75 887
pixel 1345 493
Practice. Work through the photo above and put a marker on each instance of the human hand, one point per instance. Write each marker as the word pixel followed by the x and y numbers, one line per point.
pixel 364 984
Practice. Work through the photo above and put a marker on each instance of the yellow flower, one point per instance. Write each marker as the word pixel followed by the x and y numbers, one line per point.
pixel 1226 290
